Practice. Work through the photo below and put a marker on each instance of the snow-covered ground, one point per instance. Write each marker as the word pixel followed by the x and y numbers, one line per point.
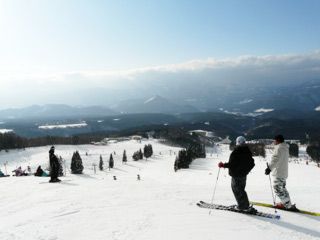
pixel 162 205
pixel 4 130
pixel 62 126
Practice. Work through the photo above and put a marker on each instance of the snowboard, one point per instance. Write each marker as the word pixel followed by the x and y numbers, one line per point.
pixel 232 208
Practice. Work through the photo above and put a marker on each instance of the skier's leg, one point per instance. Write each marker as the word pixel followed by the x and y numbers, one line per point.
pixel 279 185
pixel 238 187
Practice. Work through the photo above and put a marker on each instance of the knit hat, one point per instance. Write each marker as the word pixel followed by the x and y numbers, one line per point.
pixel 279 138
pixel 240 140
pixel 51 149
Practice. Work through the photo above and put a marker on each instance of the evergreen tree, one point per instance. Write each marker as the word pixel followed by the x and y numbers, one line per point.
pixel 111 162
pixel 140 154
pixel 60 172
pixel 257 149
pixel 101 164
pixel 294 150
pixel 147 151
pixel 186 156
pixel 176 164
pixel 136 156
pixel 76 163
pixel 314 152
pixel 124 157
pixel 183 160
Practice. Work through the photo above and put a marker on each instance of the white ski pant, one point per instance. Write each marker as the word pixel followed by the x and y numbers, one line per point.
pixel 279 186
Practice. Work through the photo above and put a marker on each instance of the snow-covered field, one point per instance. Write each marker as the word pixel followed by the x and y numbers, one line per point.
pixel 162 205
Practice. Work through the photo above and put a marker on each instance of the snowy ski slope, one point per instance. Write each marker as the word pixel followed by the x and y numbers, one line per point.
pixel 162 205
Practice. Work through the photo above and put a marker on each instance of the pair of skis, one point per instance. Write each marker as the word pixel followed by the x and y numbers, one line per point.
pixel 233 208
pixel 297 210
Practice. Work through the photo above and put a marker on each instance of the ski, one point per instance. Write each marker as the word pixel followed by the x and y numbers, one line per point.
pixel 272 206
pixel 233 209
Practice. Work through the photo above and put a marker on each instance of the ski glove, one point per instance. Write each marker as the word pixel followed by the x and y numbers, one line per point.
pixel 267 171
pixel 221 165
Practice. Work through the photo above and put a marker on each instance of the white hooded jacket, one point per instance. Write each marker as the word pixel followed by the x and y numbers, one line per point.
pixel 279 161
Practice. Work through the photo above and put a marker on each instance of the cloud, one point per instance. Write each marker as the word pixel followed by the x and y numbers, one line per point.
pixel 310 61
pixel 252 70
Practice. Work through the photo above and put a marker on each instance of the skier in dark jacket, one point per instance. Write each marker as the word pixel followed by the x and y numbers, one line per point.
pixel 54 166
pixel 240 164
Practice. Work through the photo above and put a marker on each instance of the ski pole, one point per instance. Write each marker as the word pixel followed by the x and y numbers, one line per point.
pixel 273 197
pixel 214 190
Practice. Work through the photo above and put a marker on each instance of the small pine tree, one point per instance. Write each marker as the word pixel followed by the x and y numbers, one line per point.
pixel 136 156
pixel 314 152
pixel 147 151
pixel 124 157
pixel 176 164
pixel 101 164
pixel 140 154
pixel 257 149
pixel 111 162
pixel 60 172
pixel 294 150
pixel 76 163
pixel 183 160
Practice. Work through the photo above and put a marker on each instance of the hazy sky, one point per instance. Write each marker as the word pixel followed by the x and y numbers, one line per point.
pixel 43 41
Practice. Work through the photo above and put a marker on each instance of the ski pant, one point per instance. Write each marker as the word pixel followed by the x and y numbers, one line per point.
pixel 279 186
pixel 238 185
pixel 54 172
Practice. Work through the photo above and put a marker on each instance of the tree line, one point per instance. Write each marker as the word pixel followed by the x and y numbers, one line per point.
pixel 13 141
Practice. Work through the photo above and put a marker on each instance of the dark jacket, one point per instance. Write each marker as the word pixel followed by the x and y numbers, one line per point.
pixel 240 161
pixel 54 165
pixel 39 172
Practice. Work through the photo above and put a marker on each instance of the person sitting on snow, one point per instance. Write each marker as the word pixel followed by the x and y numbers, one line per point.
pixel 40 172
pixel 19 172
pixel 240 164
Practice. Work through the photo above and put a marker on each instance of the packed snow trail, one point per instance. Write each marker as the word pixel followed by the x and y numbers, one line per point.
pixel 161 205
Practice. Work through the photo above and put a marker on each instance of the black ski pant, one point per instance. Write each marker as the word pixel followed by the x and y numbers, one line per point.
pixel 54 172
pixel 238 185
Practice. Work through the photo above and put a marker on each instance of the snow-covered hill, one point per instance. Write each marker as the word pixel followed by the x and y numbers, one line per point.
pixel 162 205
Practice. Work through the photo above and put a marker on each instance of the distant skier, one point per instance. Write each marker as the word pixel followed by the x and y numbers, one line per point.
pixel 240 164
pixel 278 167
pixel 54 166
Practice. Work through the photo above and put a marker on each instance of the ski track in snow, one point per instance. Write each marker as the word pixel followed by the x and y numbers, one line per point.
pixel 162 205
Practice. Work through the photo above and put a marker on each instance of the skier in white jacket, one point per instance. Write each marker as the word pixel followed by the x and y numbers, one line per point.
pixel 278 167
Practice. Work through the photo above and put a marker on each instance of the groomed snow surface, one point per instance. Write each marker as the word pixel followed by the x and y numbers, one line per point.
pixel 162 205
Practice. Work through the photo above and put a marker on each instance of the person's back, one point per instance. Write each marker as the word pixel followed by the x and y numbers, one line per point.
pixel 240 164
pixel 240 161
pixel 39 172
pixel 279 169
pixel 279 162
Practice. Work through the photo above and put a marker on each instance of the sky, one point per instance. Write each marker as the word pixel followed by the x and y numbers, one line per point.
pixel 45 43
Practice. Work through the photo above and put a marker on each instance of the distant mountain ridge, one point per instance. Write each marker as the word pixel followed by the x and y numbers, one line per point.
pixel 54 110
pixel 156 104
